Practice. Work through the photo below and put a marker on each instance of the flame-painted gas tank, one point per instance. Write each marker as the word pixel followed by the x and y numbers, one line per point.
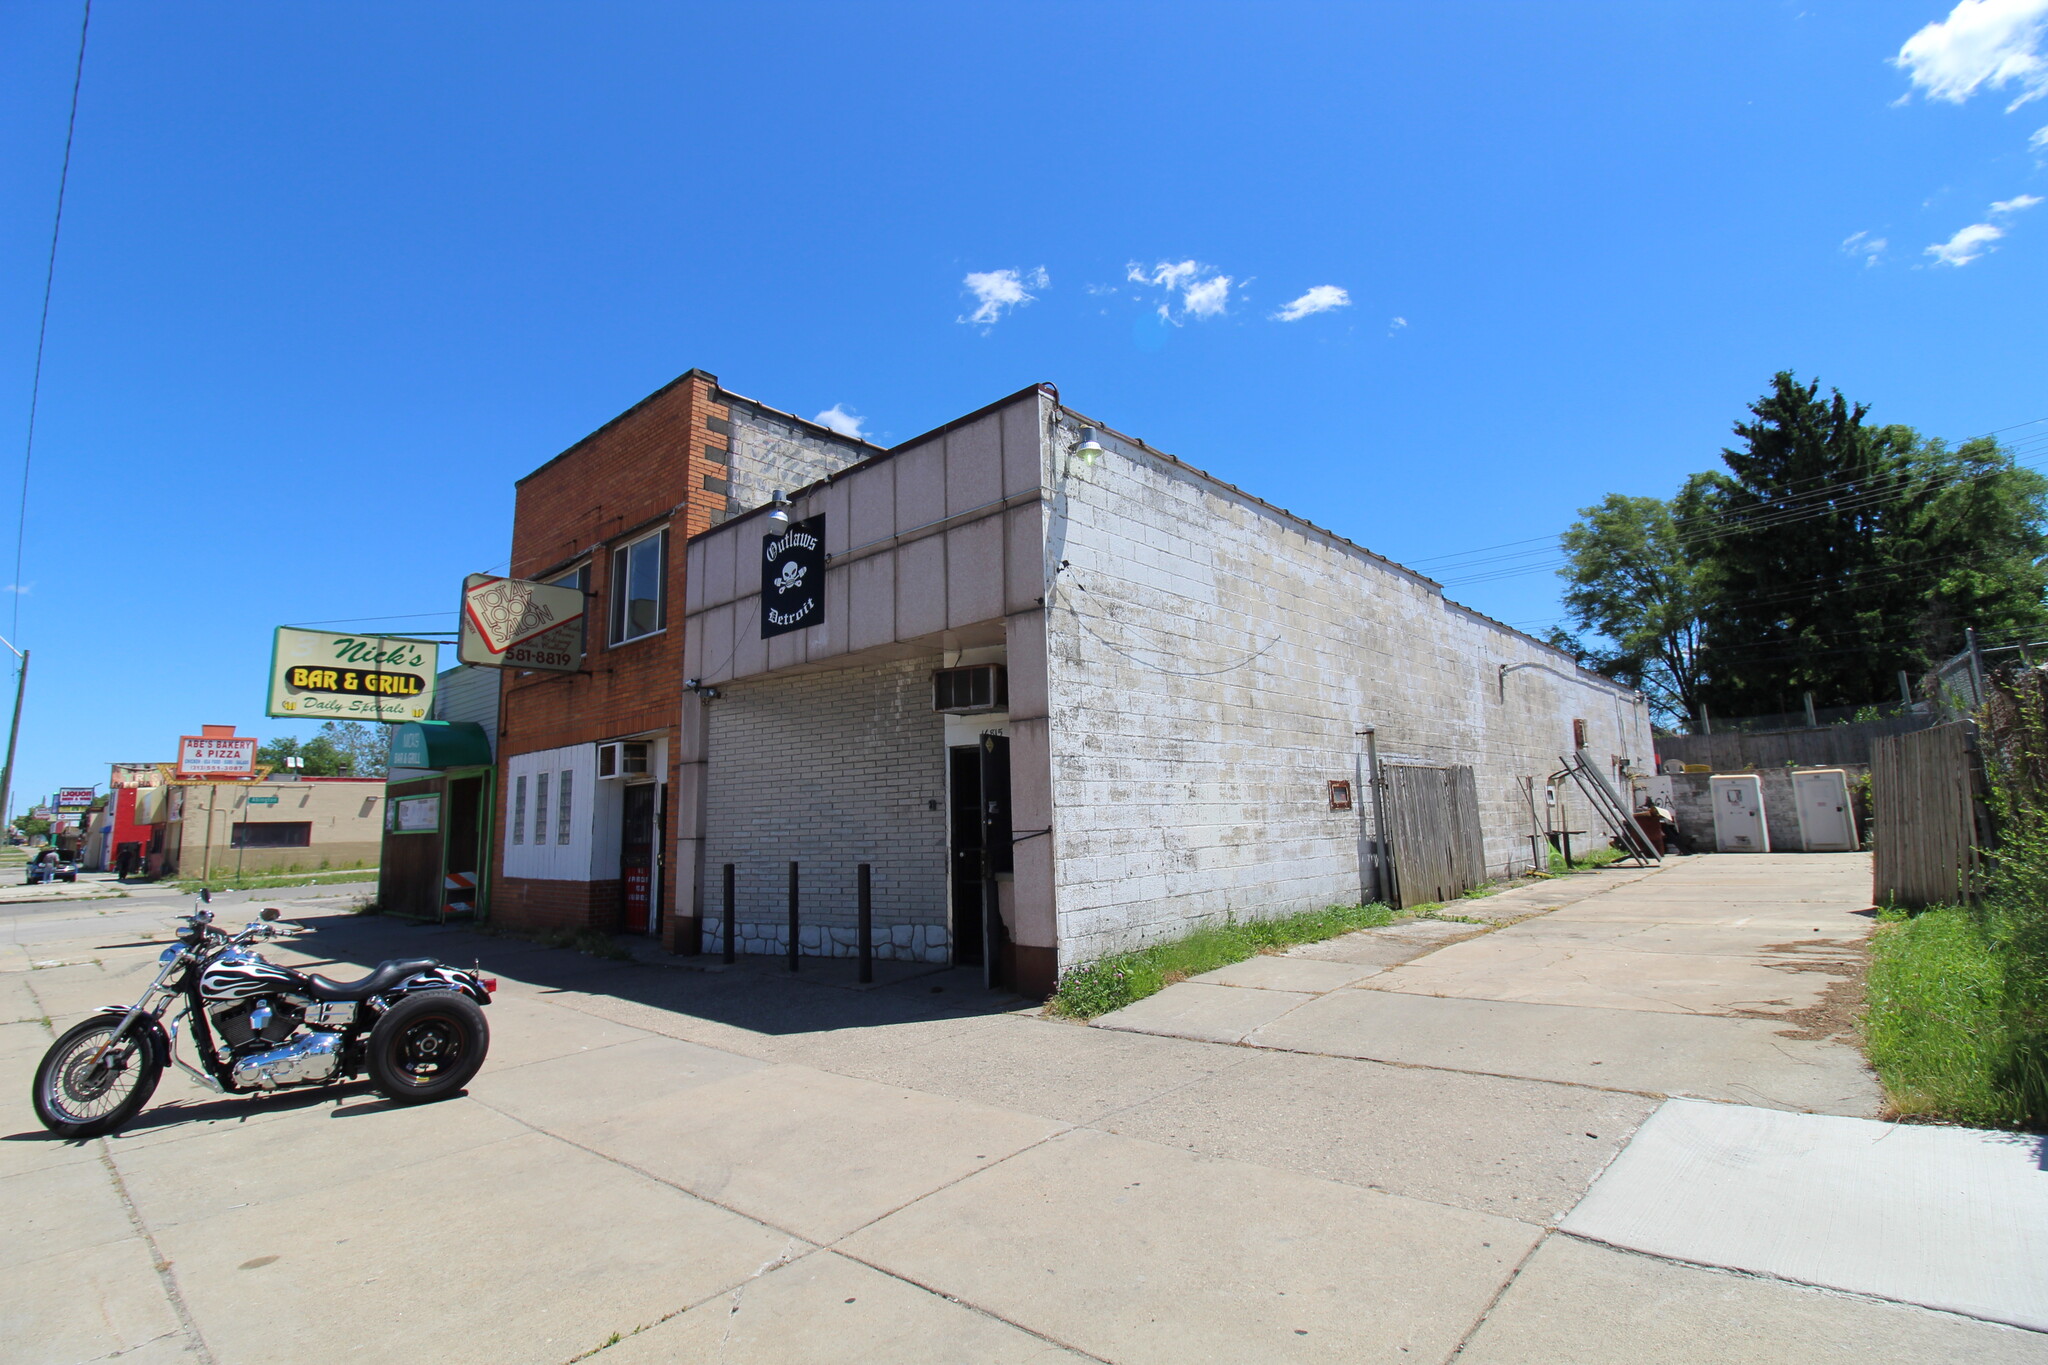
pixel 238 975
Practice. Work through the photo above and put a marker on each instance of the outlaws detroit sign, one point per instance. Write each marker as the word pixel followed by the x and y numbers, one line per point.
pixel 793 577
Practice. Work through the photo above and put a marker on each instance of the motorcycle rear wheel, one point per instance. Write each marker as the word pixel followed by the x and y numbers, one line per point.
pixel 76 1097
pixel 427 1046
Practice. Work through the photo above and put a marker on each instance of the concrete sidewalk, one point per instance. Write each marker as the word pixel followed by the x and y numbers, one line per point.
pixel 661 1163
pixel 1722 977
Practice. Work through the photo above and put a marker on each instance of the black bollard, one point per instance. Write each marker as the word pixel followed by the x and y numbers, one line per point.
pixel 792 917
pixel 866 932
pixel 730 923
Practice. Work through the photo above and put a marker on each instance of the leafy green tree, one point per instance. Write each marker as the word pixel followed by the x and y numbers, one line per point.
pixel 32 828
pixel 1640 585
pixel 367 747
pixel 322 758
pixel 1842 552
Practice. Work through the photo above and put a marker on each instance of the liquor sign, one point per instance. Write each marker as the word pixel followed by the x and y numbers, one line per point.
pixel 793 577
pixel 518 623
pixel 319 675
pixel 216 756
pixel 74 798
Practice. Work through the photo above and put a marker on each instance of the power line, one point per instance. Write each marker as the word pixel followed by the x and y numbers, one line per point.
pixel 35 387
pixel 1791 492
pixel 1720 523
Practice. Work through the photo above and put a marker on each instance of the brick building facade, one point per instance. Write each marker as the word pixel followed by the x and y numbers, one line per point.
pixel 580 835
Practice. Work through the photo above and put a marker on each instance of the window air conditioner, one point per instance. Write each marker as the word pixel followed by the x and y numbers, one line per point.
pixel 982 687
pixel 622 758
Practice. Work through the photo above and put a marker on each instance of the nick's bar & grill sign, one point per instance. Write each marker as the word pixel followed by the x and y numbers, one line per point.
pixel 318 675
pixel 793 577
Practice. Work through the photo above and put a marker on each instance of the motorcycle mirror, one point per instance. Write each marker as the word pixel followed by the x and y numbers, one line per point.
pixel 269 912
pixel 205 896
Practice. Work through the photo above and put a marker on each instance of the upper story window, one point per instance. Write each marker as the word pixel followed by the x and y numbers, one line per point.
pixel 640 588
pixel 577 578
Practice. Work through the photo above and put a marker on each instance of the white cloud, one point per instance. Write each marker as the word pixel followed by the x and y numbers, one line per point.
pixel 842 421
pixel 1203 293
pixel 1170 275
pixel 2016 203
pixel 1209 298
pixel 1870 248
pixel 1966 246
pixel 2039 141
pixel 1395 324
pixel 1319 299
pixel 1982 43
pixel 996 290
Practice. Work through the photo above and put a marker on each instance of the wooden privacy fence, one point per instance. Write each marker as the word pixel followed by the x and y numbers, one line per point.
pixel 1923 817
pixel 1821 747
pixel 1439 853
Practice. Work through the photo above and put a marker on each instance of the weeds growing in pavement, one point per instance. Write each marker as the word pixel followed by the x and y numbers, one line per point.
pixel 1941 1020
pixel 1957 1023
pixel 1112 982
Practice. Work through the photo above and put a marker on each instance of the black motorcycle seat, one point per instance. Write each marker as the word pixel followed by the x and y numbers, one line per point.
pixel 383 978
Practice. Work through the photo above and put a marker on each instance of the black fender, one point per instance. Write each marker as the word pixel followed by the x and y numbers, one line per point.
pixel 149 1026
pixel 441 979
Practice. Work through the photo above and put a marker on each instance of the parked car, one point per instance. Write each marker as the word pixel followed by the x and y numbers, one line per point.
pixel 51 866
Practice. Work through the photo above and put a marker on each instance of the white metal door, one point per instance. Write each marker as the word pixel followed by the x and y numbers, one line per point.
pixel 1822 800
pixel 1739 824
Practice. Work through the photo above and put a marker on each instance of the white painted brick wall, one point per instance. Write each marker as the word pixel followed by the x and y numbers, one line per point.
pixel 770 452
pixel 1210 661
pixel 829 769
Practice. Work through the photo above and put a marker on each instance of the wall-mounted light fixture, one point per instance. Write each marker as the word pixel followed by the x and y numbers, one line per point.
pixel 1090 449
pixel 778 508
pixel 697 686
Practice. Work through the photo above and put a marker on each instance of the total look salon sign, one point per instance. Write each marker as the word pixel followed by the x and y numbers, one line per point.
pixel 316 675
pixel 793 577
pixel 518 623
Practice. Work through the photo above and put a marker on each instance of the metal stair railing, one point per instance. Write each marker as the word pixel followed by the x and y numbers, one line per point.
pixel 1608 803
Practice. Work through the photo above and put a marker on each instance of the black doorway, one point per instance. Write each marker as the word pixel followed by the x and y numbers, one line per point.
pixel 636 857
pixel 979 813
pixel 462 858
pixel 963 772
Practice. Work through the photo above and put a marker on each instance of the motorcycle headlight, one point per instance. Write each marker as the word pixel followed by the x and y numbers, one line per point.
pixel 168 954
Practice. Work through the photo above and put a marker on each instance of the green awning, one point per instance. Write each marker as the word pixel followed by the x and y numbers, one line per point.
pixel 440 744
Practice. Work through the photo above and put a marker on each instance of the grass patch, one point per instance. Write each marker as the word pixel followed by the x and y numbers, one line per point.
pixel 1112 982
pixel 1948 1028
pixel 254 882
pixel 1604 856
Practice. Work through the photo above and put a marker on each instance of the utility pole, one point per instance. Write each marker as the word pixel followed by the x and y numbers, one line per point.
pixel 13 734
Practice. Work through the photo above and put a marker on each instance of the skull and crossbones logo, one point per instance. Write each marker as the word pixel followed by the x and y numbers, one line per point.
pixel 791 578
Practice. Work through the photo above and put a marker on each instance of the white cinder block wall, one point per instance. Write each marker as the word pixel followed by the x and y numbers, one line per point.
pixel 830 769
pixel 1209 660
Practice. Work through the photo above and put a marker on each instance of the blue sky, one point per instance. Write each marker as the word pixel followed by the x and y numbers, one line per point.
pixel 332 276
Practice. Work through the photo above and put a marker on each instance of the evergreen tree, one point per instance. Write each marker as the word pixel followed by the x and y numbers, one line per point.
pixel 1830 556
pixel 1843 553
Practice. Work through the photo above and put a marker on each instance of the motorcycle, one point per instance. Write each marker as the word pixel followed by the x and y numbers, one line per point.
pixel 414 1025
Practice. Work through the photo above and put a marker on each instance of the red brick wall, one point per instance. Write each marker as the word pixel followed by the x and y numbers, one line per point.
pixel 617 483
pixel 536 906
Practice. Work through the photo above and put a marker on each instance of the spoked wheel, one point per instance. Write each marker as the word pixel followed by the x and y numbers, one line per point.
pixel 85 1088
pixel 426 1047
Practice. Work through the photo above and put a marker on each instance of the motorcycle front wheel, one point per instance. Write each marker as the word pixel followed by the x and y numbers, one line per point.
pixel 80 1093
pixel 427 1046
